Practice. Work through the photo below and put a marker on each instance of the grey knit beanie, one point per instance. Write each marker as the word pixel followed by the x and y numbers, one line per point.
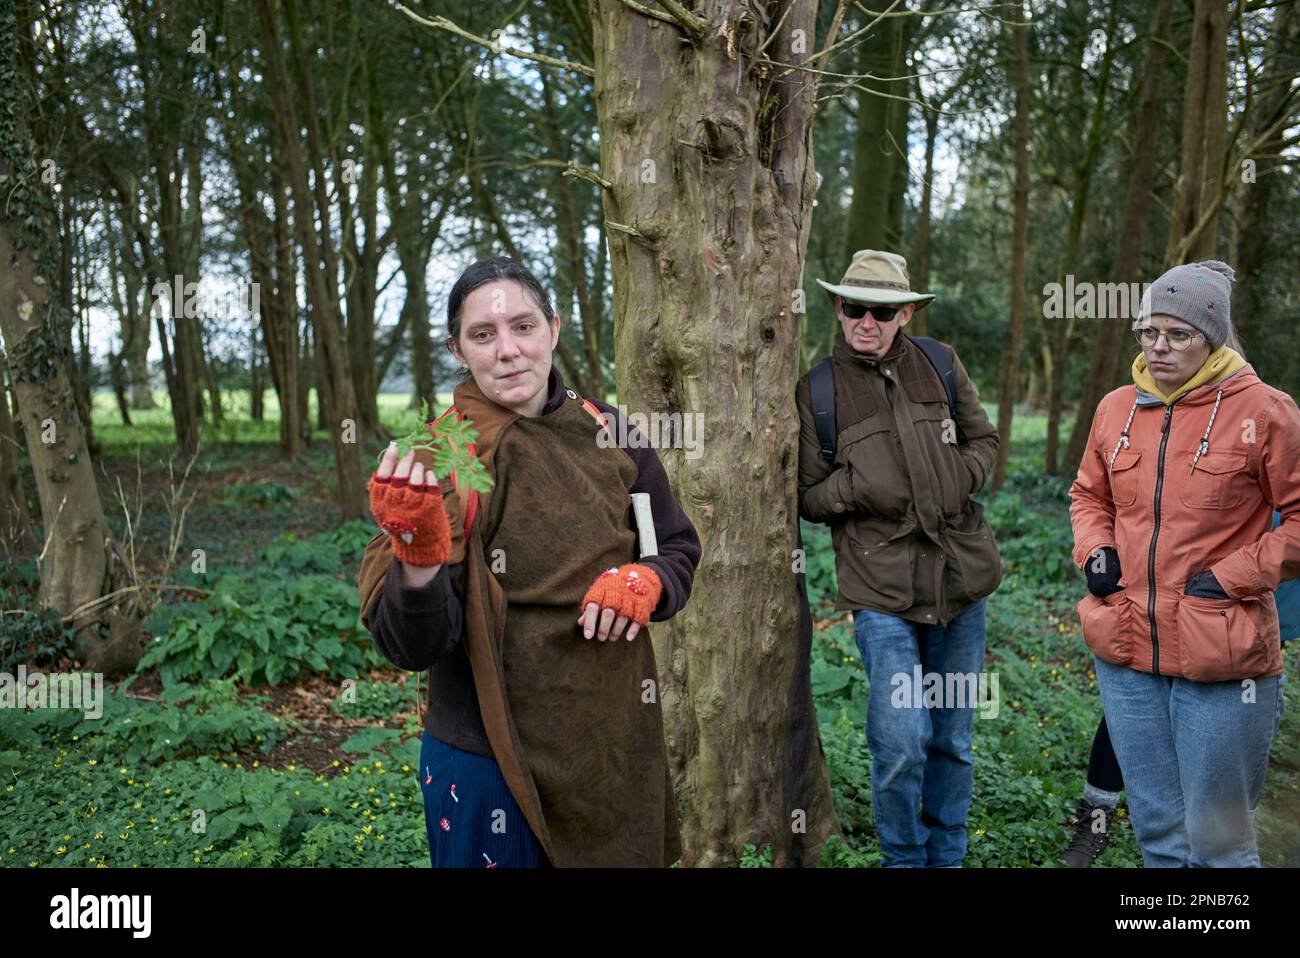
pixel 1200 294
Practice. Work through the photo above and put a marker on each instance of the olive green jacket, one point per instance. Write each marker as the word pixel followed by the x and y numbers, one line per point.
pixel 908 538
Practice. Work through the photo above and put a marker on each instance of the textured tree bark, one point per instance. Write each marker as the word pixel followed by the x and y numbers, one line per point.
pixel 77 558
pixel 709 155
pixel 1193 229
pixel 1113 334
pixel 1019 28
pixel 16 536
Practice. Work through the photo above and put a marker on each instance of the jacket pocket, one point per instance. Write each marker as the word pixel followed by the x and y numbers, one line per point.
pixel 1124 477
pixel 1224 639
pixel 974 564
pixel 1217 481
pixel 1108 626
pixel 879 573
pixel 879 482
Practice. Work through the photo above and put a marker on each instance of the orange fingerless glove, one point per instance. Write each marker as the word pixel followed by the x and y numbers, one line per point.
pixel 632 590
pixel 415 519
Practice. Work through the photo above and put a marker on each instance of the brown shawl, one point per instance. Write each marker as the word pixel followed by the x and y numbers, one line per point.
pixel 574 724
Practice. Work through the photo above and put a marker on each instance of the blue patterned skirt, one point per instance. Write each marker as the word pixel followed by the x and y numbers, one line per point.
pixel 471 817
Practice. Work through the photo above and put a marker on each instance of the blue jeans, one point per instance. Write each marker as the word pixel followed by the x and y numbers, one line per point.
pixel 1194 756
pixel 921 770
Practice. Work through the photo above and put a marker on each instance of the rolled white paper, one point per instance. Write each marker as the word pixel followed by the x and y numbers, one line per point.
pixel 645 524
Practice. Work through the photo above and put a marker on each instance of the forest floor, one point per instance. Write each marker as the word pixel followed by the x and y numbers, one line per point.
pixel 239 744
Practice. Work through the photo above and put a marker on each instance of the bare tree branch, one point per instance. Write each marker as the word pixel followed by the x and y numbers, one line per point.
pixel 442 23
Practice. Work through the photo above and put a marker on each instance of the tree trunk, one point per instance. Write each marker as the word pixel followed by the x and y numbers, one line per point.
pixel 338 408
pixel 306 377
pixel 1019 29
pixel 1193 228
pixel 1113 335
pixel 874 155
pixel 256 386
pixel 707 243
pixel 921 261
pixel 78 564
pixel 1083 169
pixel 1259 299
pixel 16 536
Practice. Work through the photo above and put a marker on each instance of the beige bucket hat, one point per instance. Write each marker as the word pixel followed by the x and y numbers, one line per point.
pixel 876 276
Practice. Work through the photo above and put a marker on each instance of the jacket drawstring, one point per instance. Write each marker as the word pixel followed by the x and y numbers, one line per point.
pixel 1204 447
pixel 1123 437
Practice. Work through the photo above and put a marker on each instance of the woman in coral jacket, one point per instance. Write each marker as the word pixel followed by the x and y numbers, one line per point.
pixel 1172 512
pixel 543 737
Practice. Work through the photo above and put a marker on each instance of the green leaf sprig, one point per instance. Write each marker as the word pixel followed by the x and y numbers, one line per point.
pixel 450 447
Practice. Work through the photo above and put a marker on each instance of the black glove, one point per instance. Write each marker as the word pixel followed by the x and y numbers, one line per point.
pixel 1206 586
pixel 1102 570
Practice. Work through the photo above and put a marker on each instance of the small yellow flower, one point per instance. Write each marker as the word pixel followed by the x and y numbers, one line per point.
pixel 62 849
pixel 93 761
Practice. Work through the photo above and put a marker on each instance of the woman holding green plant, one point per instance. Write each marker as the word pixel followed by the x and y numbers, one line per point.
pixel 528 603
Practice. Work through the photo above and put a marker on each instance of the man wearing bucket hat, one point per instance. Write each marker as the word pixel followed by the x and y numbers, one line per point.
pixel 893 443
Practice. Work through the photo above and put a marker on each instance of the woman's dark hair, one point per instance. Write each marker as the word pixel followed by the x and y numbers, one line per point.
pixel 487 271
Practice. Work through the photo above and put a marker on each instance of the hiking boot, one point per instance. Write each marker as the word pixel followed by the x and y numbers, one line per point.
pixel 1086 844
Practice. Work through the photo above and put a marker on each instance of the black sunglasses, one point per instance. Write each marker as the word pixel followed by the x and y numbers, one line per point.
pixel 881 314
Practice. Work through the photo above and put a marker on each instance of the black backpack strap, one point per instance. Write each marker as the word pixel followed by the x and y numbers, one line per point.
pixel 942 362
pixel 821 385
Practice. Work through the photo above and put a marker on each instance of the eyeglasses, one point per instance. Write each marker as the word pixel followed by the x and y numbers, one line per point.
pixel 881 314
pixel 1178 339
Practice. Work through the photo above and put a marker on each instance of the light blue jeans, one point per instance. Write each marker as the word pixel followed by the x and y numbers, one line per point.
pixel 921 769
pixel 1193 756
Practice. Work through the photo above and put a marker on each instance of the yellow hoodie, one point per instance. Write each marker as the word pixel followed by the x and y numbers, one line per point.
pixel 1224 361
